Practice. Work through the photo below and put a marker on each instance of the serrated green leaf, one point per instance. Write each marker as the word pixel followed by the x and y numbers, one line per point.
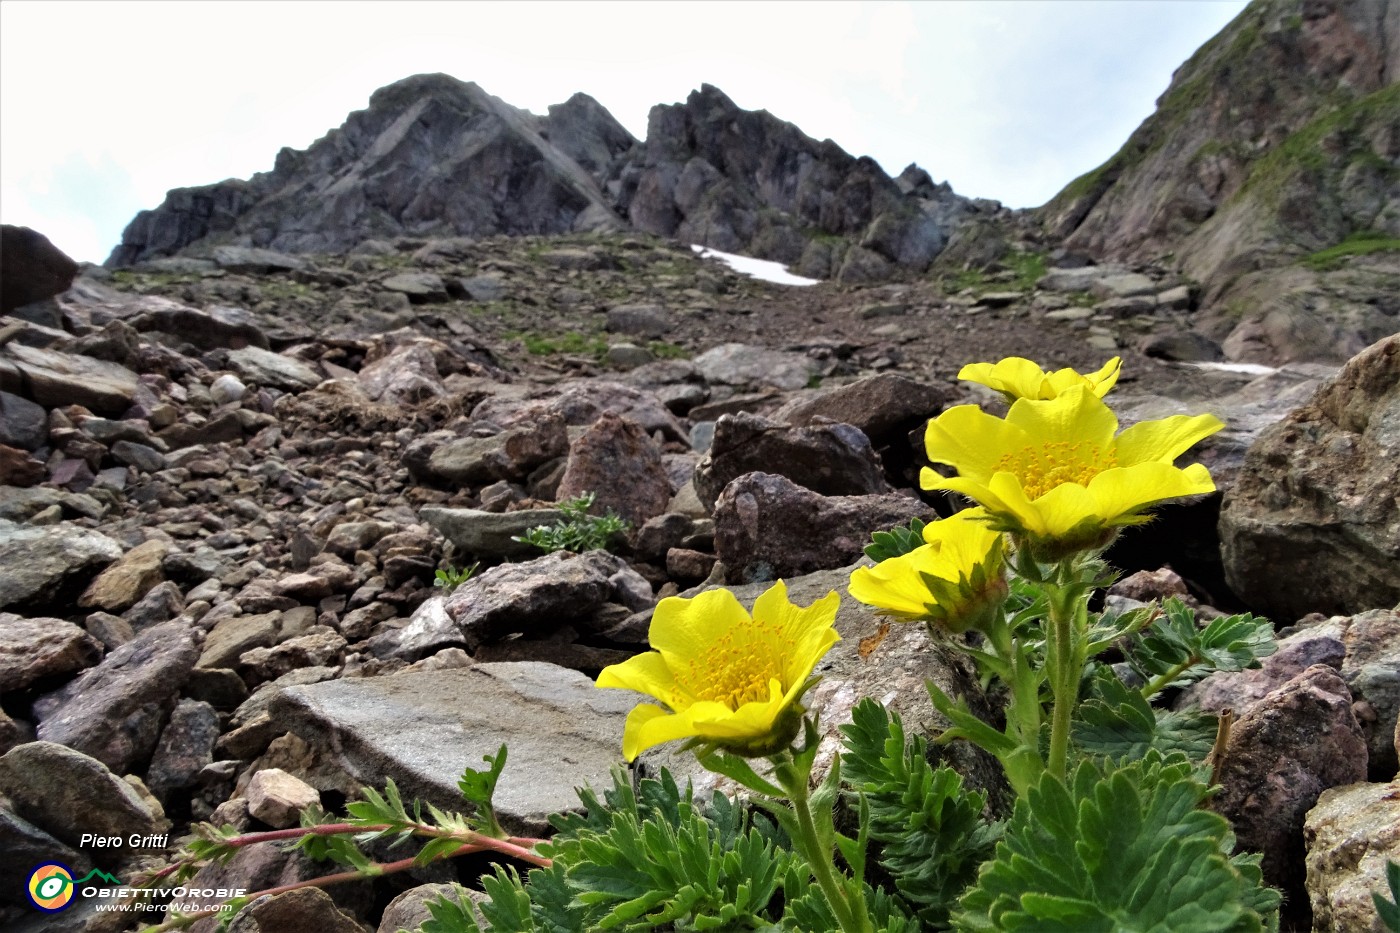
pixel 1175 651
pixel 1117 722
pixel 450 914
pixel 478 786
pixel 1121 847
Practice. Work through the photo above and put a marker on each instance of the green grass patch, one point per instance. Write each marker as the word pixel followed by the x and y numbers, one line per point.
pixel 1361 243
pixel 536 344
pixel 664 350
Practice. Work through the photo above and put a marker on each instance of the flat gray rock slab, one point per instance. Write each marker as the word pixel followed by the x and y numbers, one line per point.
pixel 423 728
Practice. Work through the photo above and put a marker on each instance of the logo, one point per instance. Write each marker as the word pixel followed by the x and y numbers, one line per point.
pixel 51 885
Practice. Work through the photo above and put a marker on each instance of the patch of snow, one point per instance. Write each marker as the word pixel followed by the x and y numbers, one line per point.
pixel 1249 369
pixel 758 268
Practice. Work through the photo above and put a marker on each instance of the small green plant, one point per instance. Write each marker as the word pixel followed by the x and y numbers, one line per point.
pixel 577 531
pixel 1389 910
pixel 898 540
pixel 450 578
pixel 1361 243
pixel 572 342
pixel 664 350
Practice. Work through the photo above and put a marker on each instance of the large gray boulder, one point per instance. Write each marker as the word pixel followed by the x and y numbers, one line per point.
pixel 36 561
pixel 1312 524
pixel 423 728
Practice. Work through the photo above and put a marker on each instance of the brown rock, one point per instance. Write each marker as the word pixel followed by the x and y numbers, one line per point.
pixel 1350 835
pixel 831 459
pixel 1298 741
pixel 1324 482
pixel 882 406
pixel 32 649
pixel 126 581
pixel 18 468
pixel 277 798
pixel 617 462
pixel 768 527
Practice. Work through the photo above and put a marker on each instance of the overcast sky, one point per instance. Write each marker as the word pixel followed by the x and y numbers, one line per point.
pixel 105 106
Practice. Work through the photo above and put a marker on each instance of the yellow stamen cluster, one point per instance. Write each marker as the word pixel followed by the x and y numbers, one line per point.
pixel 1041 468
pixel 736 670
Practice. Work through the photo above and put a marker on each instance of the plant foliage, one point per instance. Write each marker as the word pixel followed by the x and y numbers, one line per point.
pixel 1389 910
pixel 930 830
pixel 1118 848
pixel 895 542
pixel 1175 651
pixel 577 531
pixel 450 578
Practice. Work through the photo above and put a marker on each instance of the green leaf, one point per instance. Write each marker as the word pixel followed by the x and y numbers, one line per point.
pixel 896 542
pixel 1389 910
pixel 478 787
pixel 929 830
pixel 1120 847
pixel 1117 722
pixel 451 914
pixel 1175 651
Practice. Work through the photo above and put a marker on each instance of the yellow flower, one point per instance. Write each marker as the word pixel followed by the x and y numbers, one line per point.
pixel 725 677
pixel 1015 378
pixel 954 580
pixel 1054 474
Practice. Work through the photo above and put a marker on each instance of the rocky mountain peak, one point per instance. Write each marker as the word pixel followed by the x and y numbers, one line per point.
pixel 1275 141
pixel 435 156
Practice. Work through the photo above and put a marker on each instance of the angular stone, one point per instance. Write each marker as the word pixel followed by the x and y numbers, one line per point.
pixel 767 527
pixel 649 321
pixel 831 459
pixel 67 793
pixel 24 845
pixel 348 537
pixel 254 260
pixel 423 728
pixel 616 461
pixel 407 375
pixel 54 378
pixel 743 365
pixel 1350 836
pixel 1122 285
pixel 883 406
pixel 277 798
pixel 230 638
pixel 18 468
pixel 1325 482
pixel 300 909
pixel 1370 642
pixel 272 370
pixel 420 287
pixel 23 424
pixel 114 711
pixel 35 561
pixel 532 598
pixel 1296 742
pixel 186 746
pixel 409 911
pixel 489 534
pixel 34 648
pixel 126 581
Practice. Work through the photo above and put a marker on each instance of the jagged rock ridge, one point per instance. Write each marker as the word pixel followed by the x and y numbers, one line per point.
pixel 435 156
pixel 1276 140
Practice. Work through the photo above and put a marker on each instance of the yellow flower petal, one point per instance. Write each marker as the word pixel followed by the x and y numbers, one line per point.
pixel 1164 440
pixel 1017 378
pixel 1053 472
pixel 725 676
pixel 969 438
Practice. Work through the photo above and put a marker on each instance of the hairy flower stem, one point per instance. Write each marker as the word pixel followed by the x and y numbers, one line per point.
pixel 851 914
pixel 1064 657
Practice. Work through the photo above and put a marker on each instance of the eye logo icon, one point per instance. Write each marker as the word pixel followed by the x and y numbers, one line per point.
pixel 51 887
